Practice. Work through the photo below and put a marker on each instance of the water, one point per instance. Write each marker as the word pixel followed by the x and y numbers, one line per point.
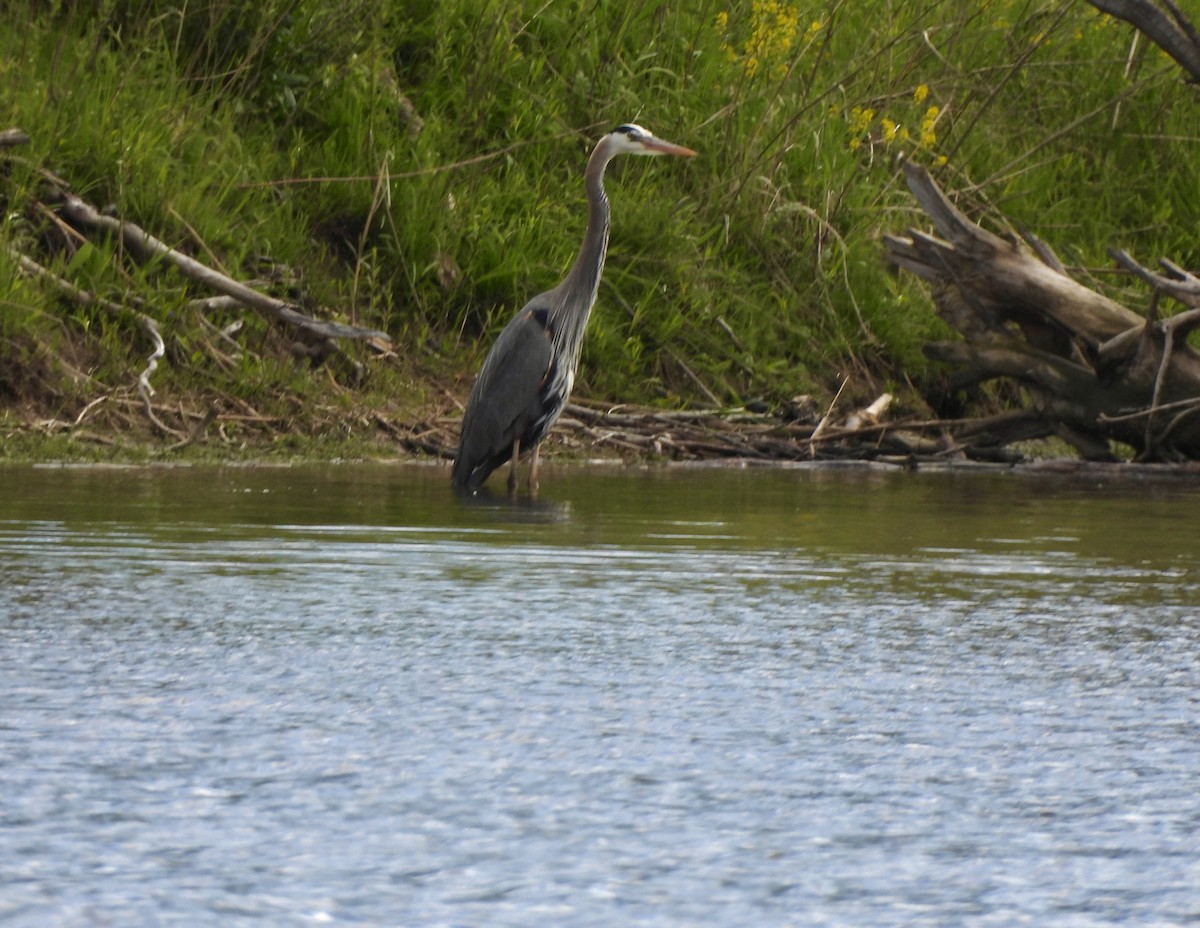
pixel 336 695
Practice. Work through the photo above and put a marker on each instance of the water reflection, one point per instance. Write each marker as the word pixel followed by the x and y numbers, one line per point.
pixel 515 508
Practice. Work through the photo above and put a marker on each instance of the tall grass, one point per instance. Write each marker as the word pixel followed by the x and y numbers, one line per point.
pixel 418 164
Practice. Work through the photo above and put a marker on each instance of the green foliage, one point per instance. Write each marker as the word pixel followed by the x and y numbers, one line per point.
pixel 418 164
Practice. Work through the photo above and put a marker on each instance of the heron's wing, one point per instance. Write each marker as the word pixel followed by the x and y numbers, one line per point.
pixel 504 396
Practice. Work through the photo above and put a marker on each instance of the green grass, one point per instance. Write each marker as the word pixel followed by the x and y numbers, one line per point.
pixel 416 166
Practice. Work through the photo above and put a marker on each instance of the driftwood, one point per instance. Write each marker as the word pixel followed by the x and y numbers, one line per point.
pixel 1096 371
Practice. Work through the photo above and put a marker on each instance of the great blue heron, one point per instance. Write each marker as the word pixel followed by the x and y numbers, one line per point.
pixel 527 376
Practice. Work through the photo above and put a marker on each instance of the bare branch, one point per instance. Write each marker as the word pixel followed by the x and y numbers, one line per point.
pixel 1177 283
pixel 1164 24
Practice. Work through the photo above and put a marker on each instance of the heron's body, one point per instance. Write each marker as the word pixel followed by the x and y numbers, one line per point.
pixel 527 377
pixel 517 398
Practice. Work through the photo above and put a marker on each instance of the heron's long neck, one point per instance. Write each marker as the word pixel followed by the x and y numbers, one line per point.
pixel 577 292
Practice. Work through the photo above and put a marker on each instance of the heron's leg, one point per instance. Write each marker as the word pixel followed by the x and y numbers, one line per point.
pixel 512 470
pixel 533 472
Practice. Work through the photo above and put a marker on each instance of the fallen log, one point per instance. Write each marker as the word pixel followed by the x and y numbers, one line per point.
pixel 1095 371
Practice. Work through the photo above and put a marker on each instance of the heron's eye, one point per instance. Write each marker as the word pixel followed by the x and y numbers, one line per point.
pixel 627 130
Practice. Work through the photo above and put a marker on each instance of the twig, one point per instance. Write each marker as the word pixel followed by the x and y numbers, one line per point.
pixel 700 384
pixel 198 429
pixel 732 335
pixel 816 433
pixel 1187 405
pixel 382 194
pixel 1184 287
pixel 1195 408
pixel 415 442
pixel 88 408
pixel 211 303
pixel 420 172
pixel 999 174
pixel 191 230
pixel 673 355
pixel 1160 378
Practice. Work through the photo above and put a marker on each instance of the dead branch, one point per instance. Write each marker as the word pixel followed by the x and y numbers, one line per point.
pixel 1001 279
pixel 1184 287
pixel 418 437
pixel 1164 24
pixel 144 244
pixel 691 435
pixel 1177 283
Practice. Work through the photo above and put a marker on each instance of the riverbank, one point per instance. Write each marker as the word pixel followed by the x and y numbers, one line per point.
pixel 115 430
pixel 420 177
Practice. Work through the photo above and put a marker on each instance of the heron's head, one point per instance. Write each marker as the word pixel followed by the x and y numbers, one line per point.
pixel 632 139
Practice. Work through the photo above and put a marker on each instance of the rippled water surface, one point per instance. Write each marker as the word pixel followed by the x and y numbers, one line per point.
pixel 338 695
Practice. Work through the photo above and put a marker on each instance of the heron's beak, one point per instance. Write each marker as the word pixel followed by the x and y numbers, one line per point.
pixel 655 146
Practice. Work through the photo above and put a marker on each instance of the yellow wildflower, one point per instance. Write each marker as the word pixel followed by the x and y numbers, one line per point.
pixel 928 127
pixel 890 129
pixel 860 119
pixel 920 93
pixel 773 27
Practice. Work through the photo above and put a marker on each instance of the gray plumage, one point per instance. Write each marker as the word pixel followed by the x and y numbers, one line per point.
pixel 527 376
